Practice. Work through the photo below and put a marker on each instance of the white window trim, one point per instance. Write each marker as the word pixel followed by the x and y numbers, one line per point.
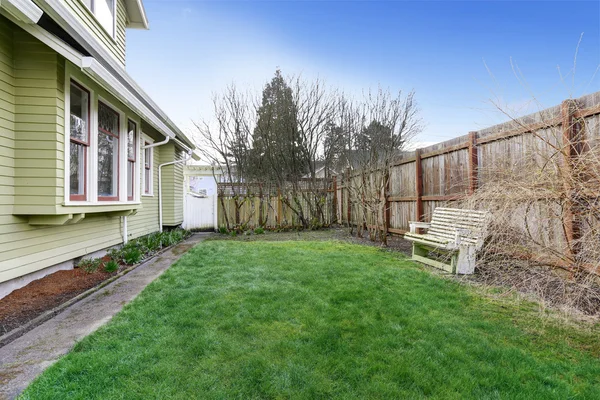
pixel 122 184
pixel 146 139
pixel 112 35
pixel 137 182
pixel 92 159
pixel 90 187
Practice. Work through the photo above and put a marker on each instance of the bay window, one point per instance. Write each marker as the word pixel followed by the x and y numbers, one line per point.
pixel 108 153
pixel 104 11
pixel 102 151
pixel 131 155
pixel 79 141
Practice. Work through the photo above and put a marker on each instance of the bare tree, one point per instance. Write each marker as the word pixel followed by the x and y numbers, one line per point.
pixel 226 144
pixel 377 129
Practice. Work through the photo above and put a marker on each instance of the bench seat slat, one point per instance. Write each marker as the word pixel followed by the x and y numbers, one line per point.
pixel 466 218
pixel 439 220
pixel 460 211
pixel 426 237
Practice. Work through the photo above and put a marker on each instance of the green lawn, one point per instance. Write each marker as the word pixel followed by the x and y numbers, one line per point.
pixel 311 320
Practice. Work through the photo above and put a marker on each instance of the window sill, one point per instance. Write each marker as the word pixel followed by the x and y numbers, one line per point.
pixel 74 212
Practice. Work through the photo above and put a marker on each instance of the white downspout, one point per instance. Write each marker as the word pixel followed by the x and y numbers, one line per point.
pixel 124 229
pixel 156 144
pixel 160 209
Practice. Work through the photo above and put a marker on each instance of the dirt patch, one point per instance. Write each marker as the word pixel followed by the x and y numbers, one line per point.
pixel 25 304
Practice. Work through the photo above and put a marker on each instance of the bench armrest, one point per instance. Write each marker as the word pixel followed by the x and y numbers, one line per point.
pixel 414 225
pixel 461 232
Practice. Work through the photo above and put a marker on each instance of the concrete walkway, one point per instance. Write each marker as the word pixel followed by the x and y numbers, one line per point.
pixel 22 360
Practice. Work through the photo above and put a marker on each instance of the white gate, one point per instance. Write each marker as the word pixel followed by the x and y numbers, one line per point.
pixel 200 208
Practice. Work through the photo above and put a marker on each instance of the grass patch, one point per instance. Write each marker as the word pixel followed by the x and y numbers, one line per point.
pixel 313 320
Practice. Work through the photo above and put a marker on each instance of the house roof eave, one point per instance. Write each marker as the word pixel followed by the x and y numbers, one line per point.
pixel 136 15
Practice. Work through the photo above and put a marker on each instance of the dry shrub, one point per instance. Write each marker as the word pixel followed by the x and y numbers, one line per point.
pixel 545 204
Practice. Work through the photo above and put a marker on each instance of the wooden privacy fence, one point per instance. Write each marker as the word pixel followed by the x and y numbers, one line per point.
pixel 254 204
pixel 421 180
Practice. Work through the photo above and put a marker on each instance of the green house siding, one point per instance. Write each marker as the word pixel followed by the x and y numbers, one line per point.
pixel 39 122
pixel 145 221
pixel 116 45
pixel 7 119
pixel 172 186
pixel 32 142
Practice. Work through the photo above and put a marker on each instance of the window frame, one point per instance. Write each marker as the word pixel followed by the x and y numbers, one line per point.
pixel 148 141
pixel 87 145
pixel 133 161
pixel 98 95
pixel 91 9
pixel 119 145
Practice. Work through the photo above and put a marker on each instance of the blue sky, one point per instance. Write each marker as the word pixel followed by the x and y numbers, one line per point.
pixel 455 55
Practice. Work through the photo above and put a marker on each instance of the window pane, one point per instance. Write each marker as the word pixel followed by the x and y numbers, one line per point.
pixel 108 120
pixel 77 169
pixel 103 10
pixel 130 180
pixel 147 181
pixel 147 156
pixel 131 140
pixel 108 165
pixel 79 113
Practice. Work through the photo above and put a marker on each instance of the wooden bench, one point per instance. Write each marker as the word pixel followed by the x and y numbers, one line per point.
pixel 453 234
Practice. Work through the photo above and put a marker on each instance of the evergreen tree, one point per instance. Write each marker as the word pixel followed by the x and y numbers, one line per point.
pixel 276 143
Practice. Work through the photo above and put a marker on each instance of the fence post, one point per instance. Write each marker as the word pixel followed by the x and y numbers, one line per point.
pixel 570 221
pixel 349 208
pixel 279 208
pixel 388 209
pixel 335 200
pixel 419 186
pixel 473 162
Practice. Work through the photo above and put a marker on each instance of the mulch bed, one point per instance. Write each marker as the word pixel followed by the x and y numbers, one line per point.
pixel 25 304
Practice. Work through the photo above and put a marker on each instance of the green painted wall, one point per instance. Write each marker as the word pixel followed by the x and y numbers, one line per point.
pixel 172 185
pixel 7 122
pixel 146 219
pixel 116 46
pixel 39 122
pixel 32 81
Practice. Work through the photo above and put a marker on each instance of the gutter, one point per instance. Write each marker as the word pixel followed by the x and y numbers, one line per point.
pixel 24 10
pixel 100 74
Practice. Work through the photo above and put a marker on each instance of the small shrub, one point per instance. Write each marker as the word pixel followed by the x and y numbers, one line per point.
pixel 115 254
pixel 223 230
pixel 111 266
pixel 153 242
pixel 168 239
pixel 132 255
pixel 259 230
pixel 90 264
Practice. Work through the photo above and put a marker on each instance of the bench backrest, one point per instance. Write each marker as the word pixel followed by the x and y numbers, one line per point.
pixel 470 224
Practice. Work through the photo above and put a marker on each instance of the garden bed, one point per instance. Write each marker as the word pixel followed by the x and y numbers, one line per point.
pixel 42 295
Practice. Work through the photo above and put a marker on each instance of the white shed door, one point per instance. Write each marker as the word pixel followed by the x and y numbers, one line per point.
pixel 200 203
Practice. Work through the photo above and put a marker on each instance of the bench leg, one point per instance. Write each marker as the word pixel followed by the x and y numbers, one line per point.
pixel 466 260
pixel 420 254
pixel 419 251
